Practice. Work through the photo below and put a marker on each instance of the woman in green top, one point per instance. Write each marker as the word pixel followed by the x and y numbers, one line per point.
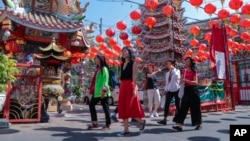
pixel 99 89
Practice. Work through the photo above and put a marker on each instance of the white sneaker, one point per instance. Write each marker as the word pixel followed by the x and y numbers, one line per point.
pixel 155 114
pixel 151 115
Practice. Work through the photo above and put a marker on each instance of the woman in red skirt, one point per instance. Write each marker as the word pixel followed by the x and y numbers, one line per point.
pixel 129 105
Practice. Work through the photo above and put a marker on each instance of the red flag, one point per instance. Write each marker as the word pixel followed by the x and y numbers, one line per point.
pixel 218 53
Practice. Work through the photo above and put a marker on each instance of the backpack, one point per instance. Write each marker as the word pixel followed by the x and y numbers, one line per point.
pixel 112 81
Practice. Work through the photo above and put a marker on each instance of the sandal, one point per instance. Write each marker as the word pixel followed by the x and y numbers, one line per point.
pixel 90 127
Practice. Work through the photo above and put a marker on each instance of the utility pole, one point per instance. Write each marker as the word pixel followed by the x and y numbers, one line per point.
pixel 100 26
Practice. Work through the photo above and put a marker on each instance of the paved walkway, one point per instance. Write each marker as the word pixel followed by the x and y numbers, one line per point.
pixel 72 127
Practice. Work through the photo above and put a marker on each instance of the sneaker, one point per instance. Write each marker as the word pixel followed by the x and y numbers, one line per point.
pixel 163 122
pixel 114 118
pixel 123 133
pixel 177 128
pixel 142 126
pixel 156 114
pixel 151 116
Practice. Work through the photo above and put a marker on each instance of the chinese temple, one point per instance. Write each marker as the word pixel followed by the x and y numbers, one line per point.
pixel 164 40
pixel 40 35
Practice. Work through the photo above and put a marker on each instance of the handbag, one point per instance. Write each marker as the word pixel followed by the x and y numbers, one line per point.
pixel 181 90
pixel 182 86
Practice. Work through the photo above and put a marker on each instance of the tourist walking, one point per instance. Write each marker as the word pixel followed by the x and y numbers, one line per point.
pixel 99 89
pixel 171 89
pixel 190 99
pixel 129 105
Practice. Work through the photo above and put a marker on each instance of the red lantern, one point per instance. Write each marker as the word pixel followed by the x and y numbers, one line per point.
pixel 200 53
pixel 223 14
pixel 208 36
pixel 112 41
pixel 135 15
pixel 202 46
pixel 235 4
pixel 245 36
pixel 245 23
pixel 194 42
pixel 247 47
pixel 207 54
pixel 109 61
pixel 110 32
pixel 213 23
pixel 127 42
pixel 99 38
pixel 235 19
pixel 194 30
pixel 168 10
pixel 233 33
pixel 136 29
pixel 241 46
pixel 196 59
pixel 117 48
pixel 151 4
pixel 138 42
pixel 121 25
pixel 229 42
pixel 228 28
pixel 203 58
pixel 150 22
pixel 123 36
pixel 246 9
pixel 103 46
pixel 189 52
pixel 210 8
pixel 196 3
pixel 94 49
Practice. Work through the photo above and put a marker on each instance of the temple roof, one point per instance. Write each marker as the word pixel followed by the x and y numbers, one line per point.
pixel 52 47
pixel 2 15
pixel 43 21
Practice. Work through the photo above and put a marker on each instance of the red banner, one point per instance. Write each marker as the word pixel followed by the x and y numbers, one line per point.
pixel 218 52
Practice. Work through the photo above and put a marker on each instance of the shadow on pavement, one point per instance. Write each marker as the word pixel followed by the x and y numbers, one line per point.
pixel 224 131
pixel 77 134
pixel 8 131
pixel 203 138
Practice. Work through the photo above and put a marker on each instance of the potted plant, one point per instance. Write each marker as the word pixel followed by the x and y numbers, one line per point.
pixel 8 70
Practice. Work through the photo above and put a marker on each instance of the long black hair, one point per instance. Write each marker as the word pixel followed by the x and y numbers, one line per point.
pixel 130 52
pixel 102 61
pixel 192 67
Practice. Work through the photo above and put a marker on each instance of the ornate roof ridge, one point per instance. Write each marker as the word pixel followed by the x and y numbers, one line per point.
pixel 44 21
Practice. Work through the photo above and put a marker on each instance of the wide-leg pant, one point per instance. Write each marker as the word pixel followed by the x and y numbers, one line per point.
pixel 190 99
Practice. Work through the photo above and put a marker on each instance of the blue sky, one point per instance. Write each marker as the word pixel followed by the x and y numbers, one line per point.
pixel 111 11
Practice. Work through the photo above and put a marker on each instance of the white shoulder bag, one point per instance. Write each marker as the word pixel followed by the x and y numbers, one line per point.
pixel 182 86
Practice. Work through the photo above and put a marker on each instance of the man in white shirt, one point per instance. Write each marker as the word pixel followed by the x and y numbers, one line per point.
pixel 171 89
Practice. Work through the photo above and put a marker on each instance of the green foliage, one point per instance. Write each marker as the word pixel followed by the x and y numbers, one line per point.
pixel 8 70
pixel 77 91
